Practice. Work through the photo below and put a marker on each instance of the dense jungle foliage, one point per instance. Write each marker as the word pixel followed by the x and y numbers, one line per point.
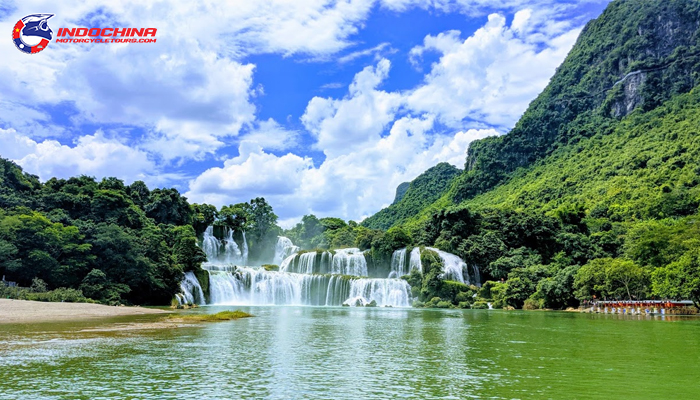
pixel 107 241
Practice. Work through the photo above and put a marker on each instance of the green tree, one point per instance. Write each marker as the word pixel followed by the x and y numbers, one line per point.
pixel 167 206
pixel 680 280
pixel 611 278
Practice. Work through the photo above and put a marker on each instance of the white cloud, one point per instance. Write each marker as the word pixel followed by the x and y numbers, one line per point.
pixel 253 171
pixel 189 90
pixel 193 95
pixel 492 75
pixel 382 48
pixel 270 135
pixel 352 185
pixel 343 125
pixel 482 7
pixel 93 155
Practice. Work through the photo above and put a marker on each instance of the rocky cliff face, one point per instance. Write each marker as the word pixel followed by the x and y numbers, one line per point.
pixel 636 55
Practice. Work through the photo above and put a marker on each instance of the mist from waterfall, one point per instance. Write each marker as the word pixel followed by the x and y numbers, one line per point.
pixel 283 249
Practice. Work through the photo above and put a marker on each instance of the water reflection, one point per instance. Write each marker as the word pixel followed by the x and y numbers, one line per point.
pixel 356 353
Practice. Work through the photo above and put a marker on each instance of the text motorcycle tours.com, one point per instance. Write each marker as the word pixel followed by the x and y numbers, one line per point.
pixel 32 34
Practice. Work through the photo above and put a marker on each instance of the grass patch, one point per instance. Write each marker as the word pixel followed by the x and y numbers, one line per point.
pixel 220 316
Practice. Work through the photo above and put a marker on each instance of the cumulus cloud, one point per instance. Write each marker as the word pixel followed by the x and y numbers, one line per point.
pixel 252 171
pixel 375 139
pixel 352 185
pixel 94 155
pixel 190 91
pixel 492 75
pixel 270 135
pixel 341 125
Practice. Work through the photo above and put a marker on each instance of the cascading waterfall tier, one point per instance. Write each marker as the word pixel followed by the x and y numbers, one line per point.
pixel 191 290
pixel 283 249
pixel 340 262
pixel 384 292
pixel 311 278
pixel 454 267
pixel 256 286
pixel 224 251
pixel 401 265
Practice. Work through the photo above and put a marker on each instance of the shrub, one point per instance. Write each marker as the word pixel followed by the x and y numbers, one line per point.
pixel 531 304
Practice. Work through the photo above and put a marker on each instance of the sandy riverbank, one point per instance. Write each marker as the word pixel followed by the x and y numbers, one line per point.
pixel 12 311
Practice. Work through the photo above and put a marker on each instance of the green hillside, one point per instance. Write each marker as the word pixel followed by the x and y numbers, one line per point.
pixel 634 57
pixel 420 193
pixel 594 193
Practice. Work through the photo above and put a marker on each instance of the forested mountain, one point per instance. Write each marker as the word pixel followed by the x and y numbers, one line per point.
pixel 594 193
pixel 420 193
pixel 634 57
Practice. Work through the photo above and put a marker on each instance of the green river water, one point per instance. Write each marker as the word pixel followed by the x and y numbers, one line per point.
pixel 358 353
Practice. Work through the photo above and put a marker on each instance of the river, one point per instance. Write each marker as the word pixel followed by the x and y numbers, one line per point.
pixel 358 353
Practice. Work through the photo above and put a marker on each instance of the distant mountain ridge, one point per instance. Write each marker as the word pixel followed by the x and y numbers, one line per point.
pixel 414 196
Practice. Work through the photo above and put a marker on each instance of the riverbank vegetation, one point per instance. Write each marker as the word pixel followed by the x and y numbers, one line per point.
pixel 220 316
pixel 107 241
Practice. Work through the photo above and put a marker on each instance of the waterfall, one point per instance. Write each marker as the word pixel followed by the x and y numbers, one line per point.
pixel 255 286
pixel 283 249
pixel 398 264
pixel 349 262
pixel 477 275
pixel 285 265
pixel 385 292
pixel 232 254
pixel 313 278
pixel 210 244
pixel 453 266
pixel 306 263
pixel 244 260
pixel 224 251
pixel 191 290
pixel 414 262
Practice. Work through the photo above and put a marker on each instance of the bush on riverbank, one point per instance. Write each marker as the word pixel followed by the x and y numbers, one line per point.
pixel 220 316
pixel 56 295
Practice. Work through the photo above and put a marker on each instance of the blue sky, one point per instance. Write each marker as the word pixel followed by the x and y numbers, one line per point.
pixel 320 106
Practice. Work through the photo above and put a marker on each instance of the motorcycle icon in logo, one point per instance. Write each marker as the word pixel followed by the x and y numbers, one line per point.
pixel 35 29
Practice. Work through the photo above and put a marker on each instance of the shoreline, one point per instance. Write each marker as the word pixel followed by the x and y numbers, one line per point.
pixel 27 311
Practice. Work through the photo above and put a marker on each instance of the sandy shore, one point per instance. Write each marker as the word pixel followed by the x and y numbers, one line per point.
pixel 22 311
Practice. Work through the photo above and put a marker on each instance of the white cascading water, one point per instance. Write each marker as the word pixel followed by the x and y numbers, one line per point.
pixel 223 252
pixel 477 275
pixel 232 254
pixel 344 262
pixel 255 286
pixel 349 262
pixel 191 290
pixel 398 264
pixel 283 249
pixel 414 260
pixel 384 292
pixel 454 267
pixel 327 278
pixel 245 250
pixel 210 244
